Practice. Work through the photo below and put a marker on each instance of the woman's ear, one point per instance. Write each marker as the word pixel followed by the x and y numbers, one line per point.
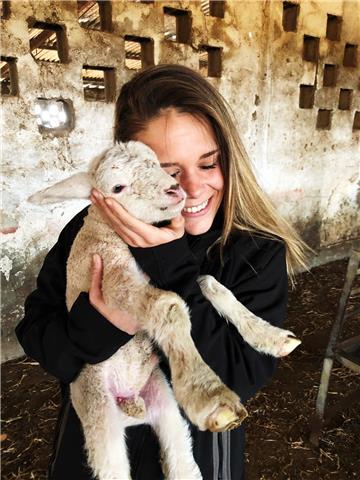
pixel 76 186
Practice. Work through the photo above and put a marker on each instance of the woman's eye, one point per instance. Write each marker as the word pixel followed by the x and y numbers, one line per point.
pixel 208 167
pixel 174 174
pixel 118 188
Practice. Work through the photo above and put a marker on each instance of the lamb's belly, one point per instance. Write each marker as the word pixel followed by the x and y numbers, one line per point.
pixel 126 372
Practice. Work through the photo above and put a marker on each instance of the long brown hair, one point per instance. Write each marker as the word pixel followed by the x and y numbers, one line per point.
pixel 246 206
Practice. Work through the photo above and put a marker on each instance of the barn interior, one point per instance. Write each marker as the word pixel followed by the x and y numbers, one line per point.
pixel 288 69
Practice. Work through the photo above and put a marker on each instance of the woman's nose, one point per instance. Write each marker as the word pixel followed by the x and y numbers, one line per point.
pixel 192 185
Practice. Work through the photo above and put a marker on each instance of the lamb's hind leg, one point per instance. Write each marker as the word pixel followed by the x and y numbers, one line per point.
pixel 207 402
pixel 104 433
pixel 172 429
pixel 258 333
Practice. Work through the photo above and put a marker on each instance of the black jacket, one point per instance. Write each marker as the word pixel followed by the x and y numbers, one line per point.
pixel 253 269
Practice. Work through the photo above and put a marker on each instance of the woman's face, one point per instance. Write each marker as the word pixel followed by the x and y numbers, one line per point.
pixel 187 150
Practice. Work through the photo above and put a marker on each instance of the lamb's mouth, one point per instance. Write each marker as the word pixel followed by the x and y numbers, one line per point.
pixel 175 207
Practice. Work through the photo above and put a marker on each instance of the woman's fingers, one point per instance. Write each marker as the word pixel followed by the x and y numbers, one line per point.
pixel 132 230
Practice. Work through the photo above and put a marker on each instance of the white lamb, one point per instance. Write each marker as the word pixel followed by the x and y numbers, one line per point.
pixel 129 388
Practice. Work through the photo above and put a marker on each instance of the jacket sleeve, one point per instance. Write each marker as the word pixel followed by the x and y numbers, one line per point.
pixel 263 291
pixel 61 341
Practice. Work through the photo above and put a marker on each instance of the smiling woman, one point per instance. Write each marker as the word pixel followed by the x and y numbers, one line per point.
pixel 228 228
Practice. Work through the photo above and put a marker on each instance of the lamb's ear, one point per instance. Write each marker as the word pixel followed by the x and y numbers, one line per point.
pixel 76 186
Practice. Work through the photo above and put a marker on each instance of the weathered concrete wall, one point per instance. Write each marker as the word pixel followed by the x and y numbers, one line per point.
pixel 311 174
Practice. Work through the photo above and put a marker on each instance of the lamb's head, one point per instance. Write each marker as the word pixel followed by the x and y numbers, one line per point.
pixel 131 174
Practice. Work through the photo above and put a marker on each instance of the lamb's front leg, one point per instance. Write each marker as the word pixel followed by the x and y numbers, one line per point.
pixel 172 429
pixel 207 402
pixel 258 333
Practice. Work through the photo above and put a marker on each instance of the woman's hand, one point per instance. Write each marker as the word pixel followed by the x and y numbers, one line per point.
pixel 134 232
pixel 118 318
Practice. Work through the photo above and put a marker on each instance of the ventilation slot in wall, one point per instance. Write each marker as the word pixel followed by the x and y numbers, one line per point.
pixel 333 27
pixel 323 121
pixel 48 42
pixel 345 99
pixel 350 54
pixel 290 16
pixel 307 94
pixel 356 124
pixel 9 80
pixel 95 15
pixel 329 79
pixel 139 52
pixel 177 25
pixel 99 83
pixel 54 116
pixel 210 61
pixel 311 48
pixel 5 9
pixel 215 8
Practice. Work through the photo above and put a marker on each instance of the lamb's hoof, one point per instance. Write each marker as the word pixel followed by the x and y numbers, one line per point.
pixel 290 343
pixel 224 418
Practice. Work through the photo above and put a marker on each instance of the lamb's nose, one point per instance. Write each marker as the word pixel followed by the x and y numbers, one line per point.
pixel 173 191
pixel 176 192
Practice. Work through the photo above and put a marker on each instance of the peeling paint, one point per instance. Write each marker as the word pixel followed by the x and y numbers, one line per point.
pixel 6 266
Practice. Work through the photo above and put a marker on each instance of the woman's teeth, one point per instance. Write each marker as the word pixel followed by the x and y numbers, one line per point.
pixel 196 209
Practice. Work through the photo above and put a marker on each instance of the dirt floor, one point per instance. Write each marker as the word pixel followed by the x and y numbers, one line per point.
pixel 278 428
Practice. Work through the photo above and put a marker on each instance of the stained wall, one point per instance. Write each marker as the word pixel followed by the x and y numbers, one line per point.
pixel 312 174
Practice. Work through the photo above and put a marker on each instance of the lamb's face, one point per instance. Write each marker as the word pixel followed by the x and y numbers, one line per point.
pixel 131 174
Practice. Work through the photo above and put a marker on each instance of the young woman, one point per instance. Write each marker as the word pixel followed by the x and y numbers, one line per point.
pixel 228 229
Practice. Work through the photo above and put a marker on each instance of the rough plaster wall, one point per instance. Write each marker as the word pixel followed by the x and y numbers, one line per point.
pixel 262 70
pixel 319 169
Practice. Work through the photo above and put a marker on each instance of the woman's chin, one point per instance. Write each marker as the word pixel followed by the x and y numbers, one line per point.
pixel 195 226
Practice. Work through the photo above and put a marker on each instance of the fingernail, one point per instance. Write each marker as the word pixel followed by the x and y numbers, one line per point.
pixel 108 202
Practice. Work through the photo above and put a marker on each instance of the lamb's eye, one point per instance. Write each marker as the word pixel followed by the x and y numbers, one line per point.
pixel 118 188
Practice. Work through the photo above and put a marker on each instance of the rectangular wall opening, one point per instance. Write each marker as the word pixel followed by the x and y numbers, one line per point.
pixel 333 27
pixel 356 124
pixel 345 99
pixel 5 9
pixel 350 54
pixel 290 16
pixel 323 121
pixel 99 83
pixel 54 115
pixel 210 61
pixel 139 52
pixel 217 8
pixel 177 25
pixel 330 74
pixel 311 48
pixel 48 42
pixel 95 15
pixel 307 94
pixel 214 8
pixel 9 78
